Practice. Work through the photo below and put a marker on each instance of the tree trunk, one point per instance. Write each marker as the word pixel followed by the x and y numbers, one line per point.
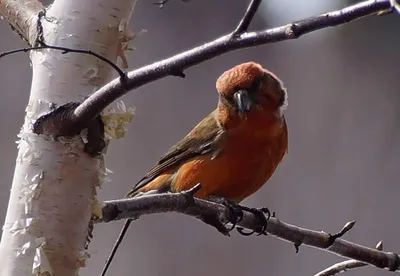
pixel 54 184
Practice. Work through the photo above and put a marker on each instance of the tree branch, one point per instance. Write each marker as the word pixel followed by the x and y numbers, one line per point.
pixel 345 265
pixel 216 215
pixel 20 15
pixel 175 65
pixel 247 18
pixel 65 50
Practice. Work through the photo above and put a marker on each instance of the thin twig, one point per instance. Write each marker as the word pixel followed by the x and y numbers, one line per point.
pixel 178 63
pixel 216 215
pixel 345 265
pixel 247 18
pixel 341 267
pixel 65 50
pixel 188 194
pixel 116 246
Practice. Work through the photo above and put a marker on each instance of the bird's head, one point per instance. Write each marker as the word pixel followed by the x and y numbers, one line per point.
pixel 248 88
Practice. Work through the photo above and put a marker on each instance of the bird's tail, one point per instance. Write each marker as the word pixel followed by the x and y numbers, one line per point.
pixel 116 245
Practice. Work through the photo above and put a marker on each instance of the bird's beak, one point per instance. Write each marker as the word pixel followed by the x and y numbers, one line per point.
pixel 243 101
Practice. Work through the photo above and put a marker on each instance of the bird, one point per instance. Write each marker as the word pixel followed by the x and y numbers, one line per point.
pixel 234 150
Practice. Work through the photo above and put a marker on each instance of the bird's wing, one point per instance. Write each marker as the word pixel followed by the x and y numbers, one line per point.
pixel 199 141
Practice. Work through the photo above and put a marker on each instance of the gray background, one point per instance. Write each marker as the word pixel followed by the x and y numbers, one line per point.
pixel 344 153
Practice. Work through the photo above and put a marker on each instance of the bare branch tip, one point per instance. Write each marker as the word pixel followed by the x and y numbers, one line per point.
pixel 379 246
pixel 347 227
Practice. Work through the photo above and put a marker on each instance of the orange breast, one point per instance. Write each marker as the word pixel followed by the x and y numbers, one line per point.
pixel 248 158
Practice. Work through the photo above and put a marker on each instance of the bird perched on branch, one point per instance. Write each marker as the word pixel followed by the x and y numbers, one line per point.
pixel 234 150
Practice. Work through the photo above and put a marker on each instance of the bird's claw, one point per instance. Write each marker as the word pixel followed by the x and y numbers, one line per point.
pixel 262 214
pixel 235 215
pixel 235 212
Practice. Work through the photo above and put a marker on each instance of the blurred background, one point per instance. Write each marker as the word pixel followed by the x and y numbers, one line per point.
pixel 344 146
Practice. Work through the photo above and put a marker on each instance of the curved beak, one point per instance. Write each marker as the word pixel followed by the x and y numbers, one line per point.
pixel 243 101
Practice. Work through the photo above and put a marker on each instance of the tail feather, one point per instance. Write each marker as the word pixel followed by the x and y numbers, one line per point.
pixel 160 184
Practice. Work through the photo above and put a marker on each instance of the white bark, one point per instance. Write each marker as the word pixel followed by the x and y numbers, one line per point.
pixel 21 14
pixel 53 189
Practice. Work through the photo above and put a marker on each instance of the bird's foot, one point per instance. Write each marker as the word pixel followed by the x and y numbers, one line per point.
pixel 262 215
pixel 235 213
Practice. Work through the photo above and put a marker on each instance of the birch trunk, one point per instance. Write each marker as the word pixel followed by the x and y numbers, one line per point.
pixel 55 182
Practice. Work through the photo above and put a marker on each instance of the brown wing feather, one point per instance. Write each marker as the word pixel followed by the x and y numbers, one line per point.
pixel 198 142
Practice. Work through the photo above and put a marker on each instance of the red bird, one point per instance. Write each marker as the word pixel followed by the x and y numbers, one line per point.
pixel 235 149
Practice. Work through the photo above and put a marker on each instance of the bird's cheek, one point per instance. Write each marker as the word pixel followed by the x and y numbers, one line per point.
pixel 266 99
pixel 266 104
